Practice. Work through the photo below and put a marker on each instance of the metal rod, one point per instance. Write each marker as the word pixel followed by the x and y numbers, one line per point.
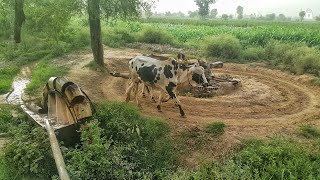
pixel 61 166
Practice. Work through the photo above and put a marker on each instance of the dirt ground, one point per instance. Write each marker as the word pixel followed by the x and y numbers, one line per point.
pixel 268 102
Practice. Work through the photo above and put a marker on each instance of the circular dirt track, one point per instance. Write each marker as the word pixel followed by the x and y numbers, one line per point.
pixel 268 99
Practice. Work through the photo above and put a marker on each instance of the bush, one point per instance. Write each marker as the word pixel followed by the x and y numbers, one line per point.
pixel 7 75
pixel 125 145
pixel 28 152
pixel 155 36
pixel 215 128
pixel 223 46
pixel 253 53
pixel 117 37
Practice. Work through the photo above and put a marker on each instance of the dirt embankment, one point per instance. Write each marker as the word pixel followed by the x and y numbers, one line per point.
pixel 268 102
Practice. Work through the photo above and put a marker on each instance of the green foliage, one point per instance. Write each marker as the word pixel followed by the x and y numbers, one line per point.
pixel 124 145
pixel 6 172
pixel 6 18
pixel 42 73
pixel 310 131
pixel 294 57
pixel 28 152
pixel 253 53
pixel 117 37
pixel 50 17
pixel 155 36
pixel 7 74
pixel 6 118
pixel 279 159
pixel 276 159
pixel 98 157
pixel 211 171
pixel 215 128
pixel 224 46
pixel 203 6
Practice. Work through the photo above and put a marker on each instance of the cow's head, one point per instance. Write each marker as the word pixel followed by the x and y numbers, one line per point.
pixel 207 68
pixel 197 75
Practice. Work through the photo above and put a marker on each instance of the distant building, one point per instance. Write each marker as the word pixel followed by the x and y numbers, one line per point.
pixel 309 14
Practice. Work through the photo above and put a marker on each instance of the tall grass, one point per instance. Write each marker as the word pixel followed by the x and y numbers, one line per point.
pixel 40 75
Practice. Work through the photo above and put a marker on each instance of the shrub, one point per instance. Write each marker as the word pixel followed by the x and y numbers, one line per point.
pixel 117 37
pixel 28 152
pixel 223 46
pixel 215 128
pixel 253 53
pixel 124 137
pixel 310 131
pixel 155 36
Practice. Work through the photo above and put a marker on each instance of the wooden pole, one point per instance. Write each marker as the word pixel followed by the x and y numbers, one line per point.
pixel 61 166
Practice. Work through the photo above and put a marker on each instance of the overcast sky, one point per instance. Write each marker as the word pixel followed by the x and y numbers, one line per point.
pixel 287 7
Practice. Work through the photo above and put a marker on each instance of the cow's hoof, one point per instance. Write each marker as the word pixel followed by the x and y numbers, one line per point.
pixel 159 110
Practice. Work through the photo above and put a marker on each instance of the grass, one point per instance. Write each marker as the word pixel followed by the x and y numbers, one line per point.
pixel 215 128
pixel 7 75
pixel 315 81
pixel 278 158
pixel 310 131
pixel 40 75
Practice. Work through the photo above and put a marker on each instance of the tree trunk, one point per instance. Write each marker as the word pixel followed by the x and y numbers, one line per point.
pixel 95 31
pixel 18 20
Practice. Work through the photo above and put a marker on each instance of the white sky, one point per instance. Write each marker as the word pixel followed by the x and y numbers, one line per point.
pixel 287 7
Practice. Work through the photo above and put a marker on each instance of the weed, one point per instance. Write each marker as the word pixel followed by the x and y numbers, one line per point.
pixel 215 128
pixel 42 73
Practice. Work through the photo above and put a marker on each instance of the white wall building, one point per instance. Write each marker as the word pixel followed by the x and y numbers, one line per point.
pixel 309 15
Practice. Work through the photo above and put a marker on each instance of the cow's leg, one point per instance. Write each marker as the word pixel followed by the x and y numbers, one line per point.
pixel 160 101
pixel 129 89
pixel 143 90
pixel 136 85
pixel 152 95
pixel 172 94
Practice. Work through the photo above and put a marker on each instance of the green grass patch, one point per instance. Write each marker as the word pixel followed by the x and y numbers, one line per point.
pixel 278 158
pixel 7 75
pixel 155 35
pixel 43 71
pixel 223 46
pixel 215 128
pixel 310 131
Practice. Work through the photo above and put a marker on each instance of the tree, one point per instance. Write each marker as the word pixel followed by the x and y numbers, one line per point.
pixel 111 9
pixel 95 31
pixel 225 16
pixel 282 17
pixel 193 14
pixel 214 13
pixel 240 12
pixel 271 16
pixel 19 19
pixel 302 14
pixel 203 6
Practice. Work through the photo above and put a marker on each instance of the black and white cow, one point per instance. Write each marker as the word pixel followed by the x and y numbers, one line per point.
pixel 164 76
